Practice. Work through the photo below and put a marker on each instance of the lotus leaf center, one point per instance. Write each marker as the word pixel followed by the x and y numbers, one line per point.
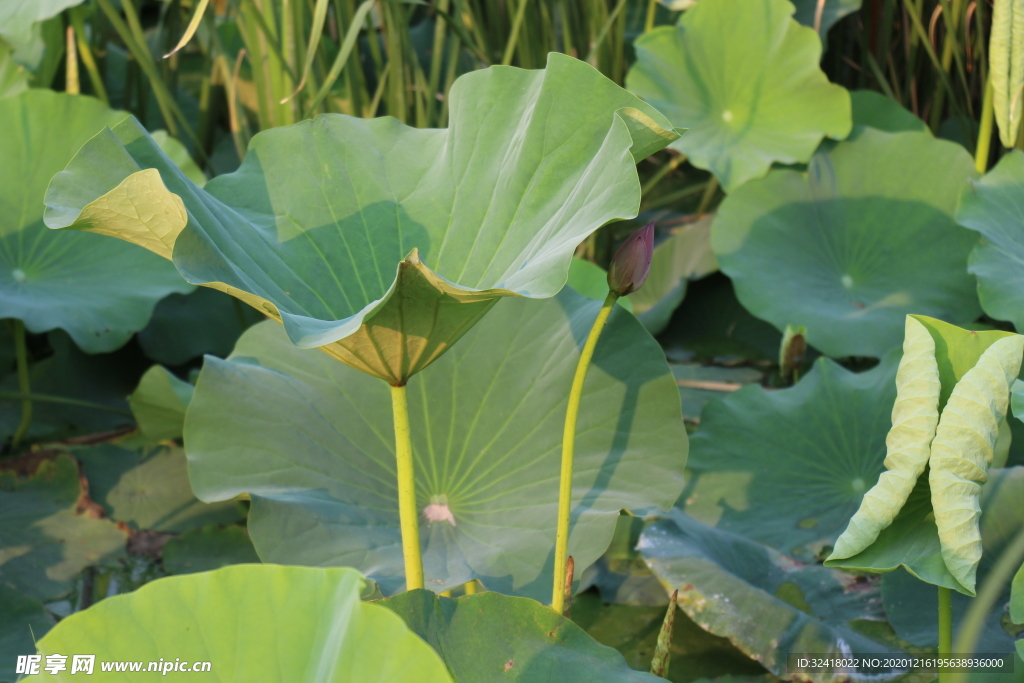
pixel 19 276
pixel 859 486
pixel 847 281
pixel 727 116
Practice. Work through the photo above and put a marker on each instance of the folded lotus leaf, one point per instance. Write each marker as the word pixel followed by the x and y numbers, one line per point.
pixel 745 78
pixel 930 524
pixel 1006 55
pixel 251 622
pixel 101 291
pixel 915 414
pixel 381 243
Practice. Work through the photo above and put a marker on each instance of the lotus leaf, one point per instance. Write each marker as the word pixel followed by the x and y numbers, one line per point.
pixel 744 78
pixel 208 548
pixel 184 327
pixel 384 244
pixel 99 290
pixel 1017 597
pixel 992 206
pixel 766 604
pixel 875 110
pixel 620 575
pixel 25 619
pixel 481 637
pixel 1006 56
pixel 17 17
pixel 952 394
pixel 159 404
pixel 255 623
pixel 309 440
pixel 147 487
pixel 831 12
pixel 700 384
pixel 44 539
pixel 853 244
pixel 13 77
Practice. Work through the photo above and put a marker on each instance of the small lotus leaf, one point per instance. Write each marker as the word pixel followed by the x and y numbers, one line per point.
pixel 311 441
pixel 875 110
pixel 382 243
pixel 853 244
pixel 766 604
pixel 99 290
pixel 489 636
pixel 44 539
pixel 159 404
pixel 992 206
pixel 744 78
pixel 951 410
pixel 209 548
pixel 252 623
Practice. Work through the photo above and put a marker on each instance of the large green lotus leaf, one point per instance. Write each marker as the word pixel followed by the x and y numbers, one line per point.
pixel 853 244
pixel 208 548
pixel 875 110
pixel 99 290
pixel 490 637
pixel 310 440
pixel 44 540
pixel 13 76
pixel 159 404
pixel 379 242
pixel 766 604
pixel 17 17
pixel 993 206
pixel 24 620
pixel 951 409
pixel 252 623
pixel 103 380
pixel 743 77
pixel 187 326
pixel 633 631
pixel 822 441
pixel 147 487
pixel 911 605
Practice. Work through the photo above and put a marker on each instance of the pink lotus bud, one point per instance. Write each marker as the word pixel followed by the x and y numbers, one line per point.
pixel 632 262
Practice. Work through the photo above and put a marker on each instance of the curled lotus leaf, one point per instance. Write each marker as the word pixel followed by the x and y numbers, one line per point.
pixel 252 622
pixel 101 291
pixel 383 244
pixel 953 412
pixel 744 78
pixel 310 441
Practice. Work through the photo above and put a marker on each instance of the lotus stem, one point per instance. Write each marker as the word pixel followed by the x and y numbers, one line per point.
pixel 24 386
pixel 568 444
pixel 406 474
pixel 945 627
pixel 470 587
pixel 974 620
pixel 49 398
pixel 981 150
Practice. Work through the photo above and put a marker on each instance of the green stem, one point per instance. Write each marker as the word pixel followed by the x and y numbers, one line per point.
pixel 985 131
pixel 568 444
pixel 517 22
pixel 21 355
pixel 945 627
pixel 659 175
pixel 406 490
pixel 49 398
pixel 974 620
pixel 652 7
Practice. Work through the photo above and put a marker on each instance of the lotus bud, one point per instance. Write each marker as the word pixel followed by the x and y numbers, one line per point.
pixel 792 351
pixel 632 262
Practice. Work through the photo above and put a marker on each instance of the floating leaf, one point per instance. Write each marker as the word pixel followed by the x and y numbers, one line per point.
pixel 381 243
pixel 44 540
pixel 930 525
pixel 159 404
pixel 488 635
pixel 766 604
pixel 700 384
pixel 992 206
pixel 249 620
pixel 25 619
pixel 99 290
pixel 875 110
pixel 621 576
pixel 853 244
pixel 147 487
pixel 744 78
pixel 1006 58
pixel 310 440
pixel 822 441
pixel 208 548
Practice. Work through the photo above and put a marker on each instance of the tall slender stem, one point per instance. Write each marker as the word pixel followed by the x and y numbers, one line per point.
pixel 21 355
pixel 407 490
pixel 568 444
pixel 985 131
pixel 945 627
